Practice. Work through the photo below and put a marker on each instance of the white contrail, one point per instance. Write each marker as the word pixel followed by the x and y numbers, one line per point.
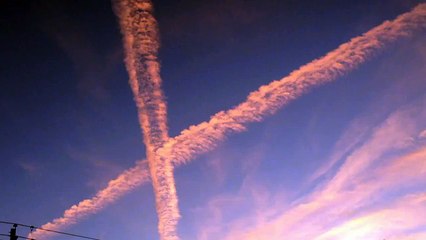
pixel 269 98
pixel 140 37
pixel 116 188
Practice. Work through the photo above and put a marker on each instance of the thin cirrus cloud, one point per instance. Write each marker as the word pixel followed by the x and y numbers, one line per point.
pixel 265 101
pixel 384 223
pixel 412 236
pixel 364 181
pixel 422 134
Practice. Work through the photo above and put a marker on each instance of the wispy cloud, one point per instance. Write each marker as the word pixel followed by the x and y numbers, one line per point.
pixel 365 179
pixel 93 69
pixel 30 167
pixel 268 99
pixel 409 236
pixel 384 223
pixel 422 134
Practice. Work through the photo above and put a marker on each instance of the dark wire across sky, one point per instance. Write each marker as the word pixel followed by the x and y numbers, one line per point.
pixel 32 228
pixel 68 121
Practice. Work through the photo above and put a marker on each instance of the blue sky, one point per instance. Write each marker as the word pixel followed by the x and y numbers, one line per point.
pixel 70 124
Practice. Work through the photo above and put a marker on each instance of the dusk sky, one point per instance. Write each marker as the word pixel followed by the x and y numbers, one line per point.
pixel 335 150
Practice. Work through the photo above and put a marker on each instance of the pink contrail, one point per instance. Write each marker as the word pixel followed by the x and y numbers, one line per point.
pixel 269 98
pixel 140 38
pixel 116 188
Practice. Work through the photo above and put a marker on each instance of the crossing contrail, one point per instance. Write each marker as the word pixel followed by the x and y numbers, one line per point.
pixel 269 98
pixel 140 37
pixel 203 137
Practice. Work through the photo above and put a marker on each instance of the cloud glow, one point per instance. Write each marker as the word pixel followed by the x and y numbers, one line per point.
pixel 305 218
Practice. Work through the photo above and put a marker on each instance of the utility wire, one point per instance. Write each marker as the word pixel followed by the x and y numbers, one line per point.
pixel 48 230
pixel 7 235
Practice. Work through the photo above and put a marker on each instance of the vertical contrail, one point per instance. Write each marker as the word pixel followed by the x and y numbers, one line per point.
pixel 140 38
pixel 265 101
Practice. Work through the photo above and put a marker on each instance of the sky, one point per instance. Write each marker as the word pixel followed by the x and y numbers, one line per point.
pixel 344 160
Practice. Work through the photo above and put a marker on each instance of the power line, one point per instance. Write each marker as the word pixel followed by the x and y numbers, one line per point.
pixel 7 235
pixel 47 230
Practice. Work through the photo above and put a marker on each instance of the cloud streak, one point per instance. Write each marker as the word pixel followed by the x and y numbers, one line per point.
pixel 269 98
pixel 140 37
pixel 365 179
pixel 383 224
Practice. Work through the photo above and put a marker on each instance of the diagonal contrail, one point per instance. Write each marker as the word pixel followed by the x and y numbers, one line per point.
pixel 140 38
pixel 265 101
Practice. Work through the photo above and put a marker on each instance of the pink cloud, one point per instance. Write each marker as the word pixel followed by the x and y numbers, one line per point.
pixel 265 101
pixel 359 182
pixel 403 215
pixel 409 236
pixel 30 167
pixel 422 134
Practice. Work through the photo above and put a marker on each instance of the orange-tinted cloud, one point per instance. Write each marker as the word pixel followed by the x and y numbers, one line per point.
pixel 140 38
pixel 364 178
pixel 422 134
pixel 269 98
pixel 384 223
pixel 126 182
